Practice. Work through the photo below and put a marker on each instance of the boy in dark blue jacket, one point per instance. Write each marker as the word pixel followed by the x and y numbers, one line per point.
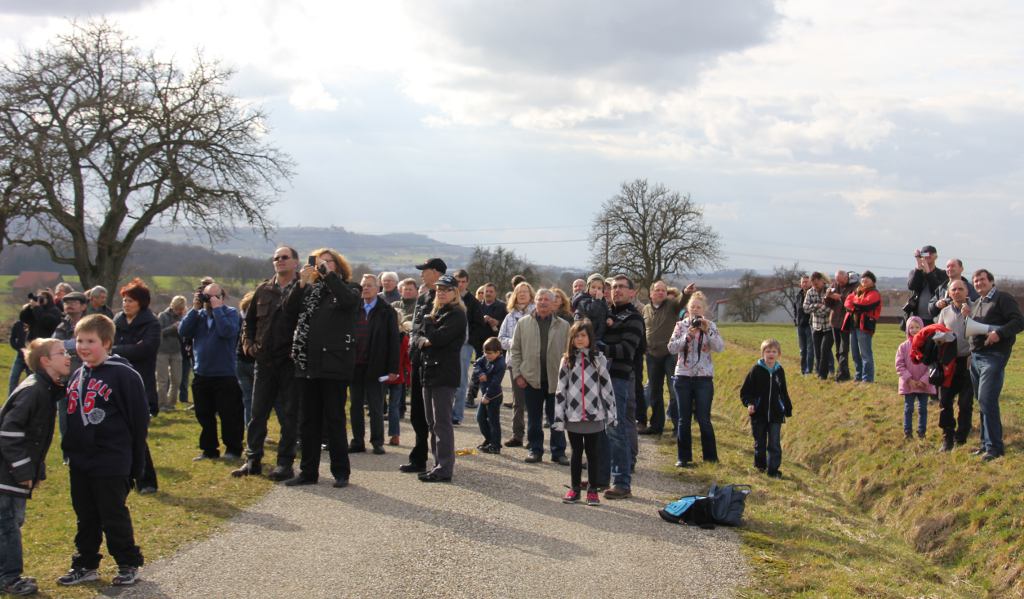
pixel 108 418
pixel 488 372
pixel 766 397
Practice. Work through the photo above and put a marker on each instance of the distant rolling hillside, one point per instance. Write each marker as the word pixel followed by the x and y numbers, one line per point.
pixel 391 251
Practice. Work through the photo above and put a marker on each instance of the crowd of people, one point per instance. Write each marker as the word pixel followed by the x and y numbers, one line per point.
pixel 311 340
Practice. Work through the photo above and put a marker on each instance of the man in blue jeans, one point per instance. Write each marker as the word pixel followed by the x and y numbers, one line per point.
pixel 660 318
pixel 990 353
pixel 622 338
pixel 538 343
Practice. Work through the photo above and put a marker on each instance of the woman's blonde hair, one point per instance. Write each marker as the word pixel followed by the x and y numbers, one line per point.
pixel 515 293
pixel 178 301
pixel 697 297
pixel 566 308
pixel 344 269
pixel 457 301
pixel 243 304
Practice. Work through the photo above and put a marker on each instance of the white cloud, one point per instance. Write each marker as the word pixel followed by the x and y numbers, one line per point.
pixel 311 95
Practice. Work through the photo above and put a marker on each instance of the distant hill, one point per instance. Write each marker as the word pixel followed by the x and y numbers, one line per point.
pixel 389 251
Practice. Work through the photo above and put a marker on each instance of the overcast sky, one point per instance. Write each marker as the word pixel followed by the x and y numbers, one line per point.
pixel 829 133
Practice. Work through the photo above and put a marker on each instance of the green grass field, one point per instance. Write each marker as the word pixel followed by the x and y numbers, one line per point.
pixel 861 512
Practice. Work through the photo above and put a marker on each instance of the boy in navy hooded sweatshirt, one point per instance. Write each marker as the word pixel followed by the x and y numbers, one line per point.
pixel 766 397
pixel 108 418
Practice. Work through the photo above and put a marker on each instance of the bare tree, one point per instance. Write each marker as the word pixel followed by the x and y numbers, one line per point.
pixel 786 281
pixel 648 232
pixel 498 266
pixel 106 140
pixel 749 301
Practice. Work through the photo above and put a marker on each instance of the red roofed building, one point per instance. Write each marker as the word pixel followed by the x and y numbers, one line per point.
pixel 29 281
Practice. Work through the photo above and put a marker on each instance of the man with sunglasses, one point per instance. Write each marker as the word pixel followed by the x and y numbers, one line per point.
pixel 267 336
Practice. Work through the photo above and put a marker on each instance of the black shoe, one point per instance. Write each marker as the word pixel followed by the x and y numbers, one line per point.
pixel 988 457
pixel 775 474
pixel 434 477
pixel 470 404
pixel 126 576
pixel 147 490
pixel 378 450
pixel 947 445
pixel 20 587
pixel 205 456
pixel 299 480
pixel 78 576
pixel 562 460
pixel 410 467
pixel 340 483
pixel 456 422
pixel 250 468
pixel 648 431
pixel 492 449
pixel 483 446
pixel 979 451
pixel 513 442
pixel 353 448
pixel 281 473
pixel 533 458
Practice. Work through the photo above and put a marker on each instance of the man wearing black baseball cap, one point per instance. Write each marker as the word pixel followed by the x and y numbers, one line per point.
pixel 923 282
pixel 432 270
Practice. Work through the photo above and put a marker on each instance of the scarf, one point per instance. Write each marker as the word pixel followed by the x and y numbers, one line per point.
pixel 309 305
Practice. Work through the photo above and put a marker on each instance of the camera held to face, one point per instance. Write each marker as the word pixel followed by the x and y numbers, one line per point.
pixel 696 322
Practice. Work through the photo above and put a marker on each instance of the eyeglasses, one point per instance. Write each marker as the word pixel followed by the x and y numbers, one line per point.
pixel 280 258
pixel 60 354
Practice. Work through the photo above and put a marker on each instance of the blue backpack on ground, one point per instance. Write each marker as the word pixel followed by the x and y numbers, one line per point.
pixel 722 505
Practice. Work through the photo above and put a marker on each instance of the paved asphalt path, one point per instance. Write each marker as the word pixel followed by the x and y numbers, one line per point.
pixel 499 530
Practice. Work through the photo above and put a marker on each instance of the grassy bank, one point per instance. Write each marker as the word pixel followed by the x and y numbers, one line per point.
pixel 194 498
pixel 861 511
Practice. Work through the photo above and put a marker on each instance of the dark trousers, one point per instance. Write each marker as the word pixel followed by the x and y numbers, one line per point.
pixel 186 371
pixel 274 386
pixel 639 403
pixel 659 370
pixel 148 473
pixel 418 419
pixel 366 392
pixel 323 415
pixel 587 443
pixel 767 445
pixel 12 517
pixel 694 395
pixel 215 396
pixel 962 389
pixel 100 509
pixel 842 340
pixel 805 339
pixel 539 405
pixel 488 416
pixel 823 352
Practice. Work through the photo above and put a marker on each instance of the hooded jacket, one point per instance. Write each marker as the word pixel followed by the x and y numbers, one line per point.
pixel 907 370
pixel 495 372
pixel 584 392
pixel 765 389
pixel 107 420
pixel 26 431
pixel 923 349
pixel 623 339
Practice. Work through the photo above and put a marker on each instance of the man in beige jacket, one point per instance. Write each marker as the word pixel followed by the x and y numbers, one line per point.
pixel 537 347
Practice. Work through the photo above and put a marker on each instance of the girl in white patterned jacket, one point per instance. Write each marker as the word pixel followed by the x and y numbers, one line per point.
pixel 584 407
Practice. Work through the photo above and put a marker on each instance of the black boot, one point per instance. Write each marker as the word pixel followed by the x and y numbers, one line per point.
pixel 947 443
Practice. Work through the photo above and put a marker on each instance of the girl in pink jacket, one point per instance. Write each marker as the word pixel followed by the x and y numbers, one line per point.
pixel 913 385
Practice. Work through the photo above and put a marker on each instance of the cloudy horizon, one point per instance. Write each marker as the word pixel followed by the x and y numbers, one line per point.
pixel 832 135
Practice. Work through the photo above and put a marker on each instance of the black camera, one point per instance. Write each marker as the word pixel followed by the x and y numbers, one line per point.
pixel 32 297
pixel 696 322
pixel 203 298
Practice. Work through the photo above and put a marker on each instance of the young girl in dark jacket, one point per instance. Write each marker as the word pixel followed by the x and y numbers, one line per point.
pixel 766 397
pixel 440 346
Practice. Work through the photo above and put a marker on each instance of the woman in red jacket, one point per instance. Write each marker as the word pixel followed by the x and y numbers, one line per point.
pixel 863 309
